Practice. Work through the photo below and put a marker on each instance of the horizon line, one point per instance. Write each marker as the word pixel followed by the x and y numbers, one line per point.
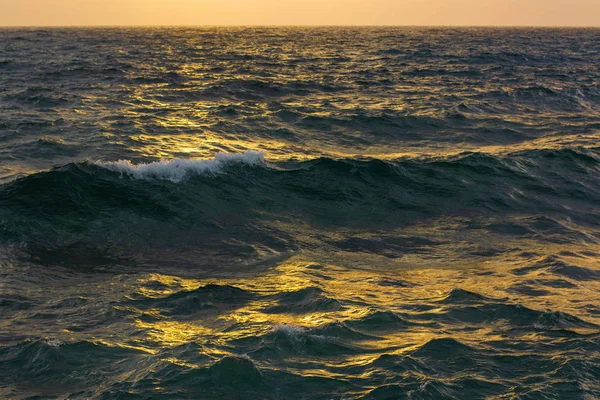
pixel 297 26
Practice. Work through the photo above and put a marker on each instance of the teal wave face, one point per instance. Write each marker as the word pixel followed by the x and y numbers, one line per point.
pixel 86 206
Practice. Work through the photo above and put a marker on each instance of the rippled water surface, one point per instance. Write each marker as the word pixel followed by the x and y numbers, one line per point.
pixel 319 213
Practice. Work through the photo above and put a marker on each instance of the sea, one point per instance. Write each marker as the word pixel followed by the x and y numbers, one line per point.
pixel 300 213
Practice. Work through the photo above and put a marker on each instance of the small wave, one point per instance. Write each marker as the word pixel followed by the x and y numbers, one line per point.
pixel 381 321
pixel 14 302
pixel 516 316
pixel 331 331
pixel 177 169
pixel 310 299
pixel 235 371
pixel 209 297
pixel 443 348
pixel 44 360
pixel 461 296
pixel 330 339
pixel 50 141
pixel 554 265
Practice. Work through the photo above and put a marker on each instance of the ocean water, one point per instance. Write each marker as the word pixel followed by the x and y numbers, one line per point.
pixel 299 213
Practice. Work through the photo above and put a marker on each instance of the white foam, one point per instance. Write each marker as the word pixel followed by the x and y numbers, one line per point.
pixel 53 342
pixel 176 169
pixel 292 331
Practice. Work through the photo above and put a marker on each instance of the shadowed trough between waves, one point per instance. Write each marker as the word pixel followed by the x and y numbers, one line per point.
pixel 311 213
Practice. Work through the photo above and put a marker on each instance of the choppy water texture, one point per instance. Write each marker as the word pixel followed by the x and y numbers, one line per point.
pixel 300 213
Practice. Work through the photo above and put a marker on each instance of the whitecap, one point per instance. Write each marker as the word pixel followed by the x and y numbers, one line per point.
pixel 177 169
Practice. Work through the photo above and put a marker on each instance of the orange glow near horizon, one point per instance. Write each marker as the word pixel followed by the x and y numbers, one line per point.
pixel 300 12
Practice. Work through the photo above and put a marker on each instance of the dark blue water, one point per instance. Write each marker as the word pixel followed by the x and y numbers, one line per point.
pixel 318 213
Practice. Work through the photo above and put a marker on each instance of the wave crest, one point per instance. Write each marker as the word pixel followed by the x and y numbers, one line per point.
pixel 176 170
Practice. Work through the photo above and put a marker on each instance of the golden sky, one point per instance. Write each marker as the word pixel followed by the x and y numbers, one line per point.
pixel 300 12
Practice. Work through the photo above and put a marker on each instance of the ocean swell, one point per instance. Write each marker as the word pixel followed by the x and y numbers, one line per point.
pixel 239 206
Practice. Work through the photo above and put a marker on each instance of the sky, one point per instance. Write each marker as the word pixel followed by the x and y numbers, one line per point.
pixel 300 12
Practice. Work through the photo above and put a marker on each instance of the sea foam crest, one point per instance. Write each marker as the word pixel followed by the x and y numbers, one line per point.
pixel 176 169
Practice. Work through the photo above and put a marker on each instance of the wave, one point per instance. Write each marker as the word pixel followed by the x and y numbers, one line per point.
pixel 583 160
pixel 327 340
pixel 241 205
pixel 516 316
pixel 176 170
pixel 308 299
pixel 555 266
pixel 206 298
pixel 45 360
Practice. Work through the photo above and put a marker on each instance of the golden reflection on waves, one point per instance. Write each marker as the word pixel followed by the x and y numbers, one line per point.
pixel 173 333
pixel 200 146
pixel 204 144
pixel 200 128
pixel 415 293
